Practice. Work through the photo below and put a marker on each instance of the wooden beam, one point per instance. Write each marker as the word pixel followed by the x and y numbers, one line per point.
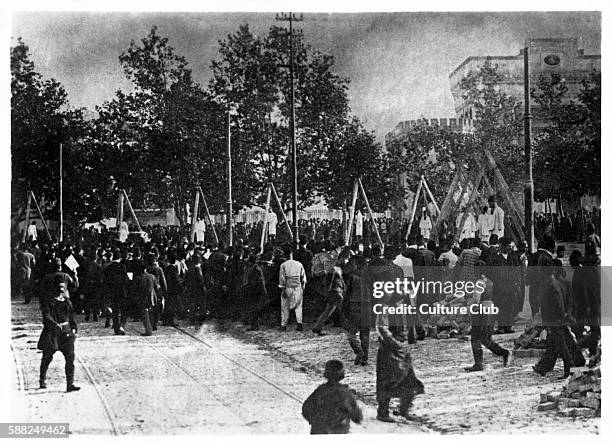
pixel 448 201
pixel 41 216
pixel 280 206
pixel 414 207
pixel 264 229
pixel 365 199
pixel 194 214
pixel 119 210
pixel 210 221
pixel 27 218
pixel 504 188
pixel 472 198
pixel 127 199
pixel 431 196
pixel 352 215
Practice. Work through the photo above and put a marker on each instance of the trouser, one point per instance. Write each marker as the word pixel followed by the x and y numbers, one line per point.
pixel 557 345
pixel 169 310
pixel 506 304
pixel 146 320
pixel 291 300
pixel 120 309
pixel 327 312
pixel 66 347
pixel 534 301
pixel 481 335
pixel 155 315
pixel 359 340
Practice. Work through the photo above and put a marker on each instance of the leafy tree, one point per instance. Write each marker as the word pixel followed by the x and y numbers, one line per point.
pixel 433 151
pixel 251 78
pixel 41 119
pixel 567 151
pixel 165 137
pixel 497 120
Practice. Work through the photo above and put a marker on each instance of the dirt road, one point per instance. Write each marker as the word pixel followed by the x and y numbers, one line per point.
pixel 175 382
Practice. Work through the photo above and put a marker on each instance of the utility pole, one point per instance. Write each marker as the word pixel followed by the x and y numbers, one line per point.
pixel 292 18
pixel 229 182
pixel 528 158
pixel 61 194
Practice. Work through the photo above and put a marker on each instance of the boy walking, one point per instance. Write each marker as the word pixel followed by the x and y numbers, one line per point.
pixel 331 407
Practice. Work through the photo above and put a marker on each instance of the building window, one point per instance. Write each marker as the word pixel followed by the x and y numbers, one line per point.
pixel 552 59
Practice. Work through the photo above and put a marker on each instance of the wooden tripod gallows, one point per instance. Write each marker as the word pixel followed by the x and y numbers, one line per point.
pixel 123 198
pixel 358 188
pixel 424 192
pixel 464 193
pixel 264 231
pixel 194 217
pixel 32 198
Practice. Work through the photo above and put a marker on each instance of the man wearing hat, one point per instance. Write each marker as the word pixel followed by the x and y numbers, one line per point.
pixel 332 406
pixel 58 334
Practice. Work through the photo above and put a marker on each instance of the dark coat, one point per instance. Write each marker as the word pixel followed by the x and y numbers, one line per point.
pixel 395 376
pixel 330 409
pixel 254 292
pixel 56 312
pixel 144 290
pixel 115 281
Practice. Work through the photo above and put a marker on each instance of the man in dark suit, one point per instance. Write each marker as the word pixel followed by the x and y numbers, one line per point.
pixel 115 279
pixel 58 334
pixel 505 289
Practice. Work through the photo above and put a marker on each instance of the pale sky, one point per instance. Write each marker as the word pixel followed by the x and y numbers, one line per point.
pixel 398 63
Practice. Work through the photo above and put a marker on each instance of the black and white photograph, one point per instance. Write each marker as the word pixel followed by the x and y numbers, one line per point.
pixel 293 219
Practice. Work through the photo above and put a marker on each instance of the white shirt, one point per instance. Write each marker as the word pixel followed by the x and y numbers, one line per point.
pixel 291 274
pixel 272 222
pixel 498 222
pixel 359 224
pixel 425 227
pixel 200 228
pixel 405 264
pixel 32 232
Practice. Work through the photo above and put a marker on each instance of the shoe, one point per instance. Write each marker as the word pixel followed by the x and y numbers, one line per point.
pixel 385 418
pixel 107 323
pixel 474 368
pixel 508 358
pixel 146 334
pixel 122 332
pixel 300 327
pixel 539 372
pixel 358 359
pixel 508 330
pixel 86 319
pixel 282 328
pixel 319 332
pixel 42 385
pixel 72 388
pixel 154 328
pixel 364 361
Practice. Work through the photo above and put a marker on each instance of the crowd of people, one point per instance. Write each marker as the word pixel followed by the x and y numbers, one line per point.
pixel 164 276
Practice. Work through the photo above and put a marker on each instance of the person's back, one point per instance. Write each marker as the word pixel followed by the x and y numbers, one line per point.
pixel 331 407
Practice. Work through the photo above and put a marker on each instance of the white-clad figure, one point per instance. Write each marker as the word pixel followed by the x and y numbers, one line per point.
pixel 425 224
pixel 431 208
pixel 124 231
pixel 359 224
pixel 272 222
pixel 469 227
pixel 484 224
pixel 32 231
pixel 498 218
pixel 200 229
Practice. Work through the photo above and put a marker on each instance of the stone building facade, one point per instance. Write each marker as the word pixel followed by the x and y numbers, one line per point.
pixel 558 55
